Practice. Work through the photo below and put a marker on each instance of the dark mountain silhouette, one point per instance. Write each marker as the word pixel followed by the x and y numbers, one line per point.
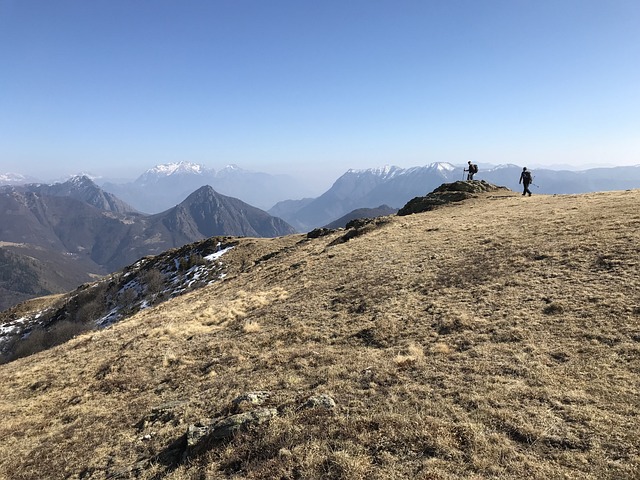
pixel 210 213
pixel 80 188
pixel 83 241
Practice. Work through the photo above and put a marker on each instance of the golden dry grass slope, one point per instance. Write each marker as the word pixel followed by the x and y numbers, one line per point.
pixel 496 338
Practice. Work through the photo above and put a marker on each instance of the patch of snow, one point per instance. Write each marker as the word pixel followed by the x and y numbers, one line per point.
pixel 176 168
pixel 7 328
pixel 386 172
pixel 215 256
pixel 12 178
pixel 13 326
pixel 80 179
pixel 110 318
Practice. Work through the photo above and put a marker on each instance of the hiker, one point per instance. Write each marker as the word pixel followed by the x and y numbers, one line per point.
pixel 525 179
pixel 473 169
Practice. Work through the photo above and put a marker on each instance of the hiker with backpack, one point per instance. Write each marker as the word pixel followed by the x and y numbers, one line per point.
pixel 473 169
pixel 525 179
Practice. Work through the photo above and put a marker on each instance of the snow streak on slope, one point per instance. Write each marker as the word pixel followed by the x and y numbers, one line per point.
pixel 148 282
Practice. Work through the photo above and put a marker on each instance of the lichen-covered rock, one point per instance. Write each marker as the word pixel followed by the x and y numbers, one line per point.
pixel 320 232
pixel 320 401
pixel 249 400
pixel 230 425
pixel 196 432
pixel 448 193
pixel 200 435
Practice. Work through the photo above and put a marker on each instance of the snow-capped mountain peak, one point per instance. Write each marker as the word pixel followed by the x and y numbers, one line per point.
pixel 386 172
pixel 14 179
pixel 167 169
pixel 443 167
pixel 232 167
pixel 80 179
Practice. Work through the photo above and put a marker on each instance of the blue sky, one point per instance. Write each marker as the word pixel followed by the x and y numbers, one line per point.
pixel 115 87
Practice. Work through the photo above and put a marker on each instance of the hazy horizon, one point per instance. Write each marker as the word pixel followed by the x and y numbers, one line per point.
pixel 314 89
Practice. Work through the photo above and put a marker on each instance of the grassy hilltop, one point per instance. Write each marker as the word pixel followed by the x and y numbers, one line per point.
pixel 493 338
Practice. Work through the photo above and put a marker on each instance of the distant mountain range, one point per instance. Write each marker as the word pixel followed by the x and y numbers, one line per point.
pixel 54 237
pixel 394 186
pixel 75 231
pixel 15 179
pixel 164 186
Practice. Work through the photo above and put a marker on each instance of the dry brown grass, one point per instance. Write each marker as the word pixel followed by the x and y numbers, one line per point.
pixel 498 338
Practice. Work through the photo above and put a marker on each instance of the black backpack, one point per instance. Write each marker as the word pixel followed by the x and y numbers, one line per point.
pixel 473 168
pixel 526 176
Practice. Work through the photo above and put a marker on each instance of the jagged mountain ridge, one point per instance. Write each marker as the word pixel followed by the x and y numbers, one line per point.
pixel 95 241
pixel 77 187
pixel 15 179
pixel 164 186
pixel 369 188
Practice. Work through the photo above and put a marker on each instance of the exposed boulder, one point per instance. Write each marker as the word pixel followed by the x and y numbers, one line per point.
pixel 319 232
pixel 358 227
pixel 320 401
pixel 200 435
pixel 249 400
pixel 448 193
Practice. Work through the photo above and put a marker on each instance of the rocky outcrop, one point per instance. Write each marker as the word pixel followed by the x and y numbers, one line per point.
pixel 205 434
pixel 359 227
pixel 323 401
pixel 199 435
pixel 448 193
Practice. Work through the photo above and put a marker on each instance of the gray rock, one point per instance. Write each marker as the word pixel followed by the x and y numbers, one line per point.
pixel 230 425
pixel 195 433
pixel 320 401
pixel 199 435
pixel 250 399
